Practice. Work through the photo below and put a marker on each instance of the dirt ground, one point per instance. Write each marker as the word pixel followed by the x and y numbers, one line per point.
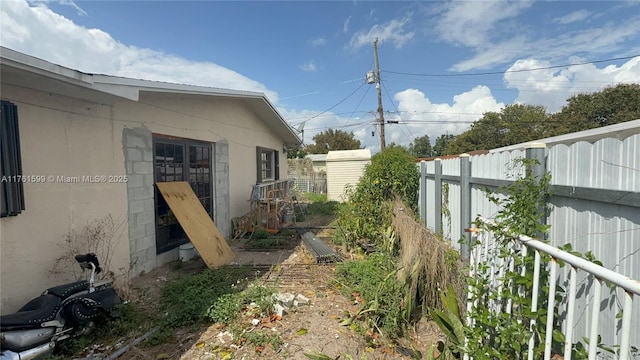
pixel 308 327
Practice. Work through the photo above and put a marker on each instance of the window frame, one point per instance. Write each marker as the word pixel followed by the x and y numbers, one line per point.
pixel 262 164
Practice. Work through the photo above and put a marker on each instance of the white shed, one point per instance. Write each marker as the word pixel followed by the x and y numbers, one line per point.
pixel 344 167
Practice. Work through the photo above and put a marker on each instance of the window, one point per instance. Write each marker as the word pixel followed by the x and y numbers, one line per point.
pixel 180 160
pixel 12 193
pixel 268 164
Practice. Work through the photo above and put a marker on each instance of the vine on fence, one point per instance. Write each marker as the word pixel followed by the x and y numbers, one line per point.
pixel 503 319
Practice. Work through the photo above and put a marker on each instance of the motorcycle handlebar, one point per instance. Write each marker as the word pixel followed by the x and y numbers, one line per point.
pixel 87 260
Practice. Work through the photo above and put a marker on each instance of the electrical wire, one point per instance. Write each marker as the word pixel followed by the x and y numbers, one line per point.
pixel 356 108
pixel 329 109
pixel 406 127
pixel 511 71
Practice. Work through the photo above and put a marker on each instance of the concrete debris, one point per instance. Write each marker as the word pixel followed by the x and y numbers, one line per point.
pixel 285 299
pixel 279 309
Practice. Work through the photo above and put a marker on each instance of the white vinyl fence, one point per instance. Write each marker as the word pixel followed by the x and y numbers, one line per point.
pixel 595 206
pixel 628 289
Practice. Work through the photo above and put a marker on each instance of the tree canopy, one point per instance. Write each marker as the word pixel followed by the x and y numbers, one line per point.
pixel 585 111
pixel 333 140
pixel 512 125
pixel 521 123
pixel 442 141
pixel 421 147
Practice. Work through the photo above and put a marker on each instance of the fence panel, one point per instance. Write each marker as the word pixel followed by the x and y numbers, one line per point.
pixel 585 280
pixel 595 206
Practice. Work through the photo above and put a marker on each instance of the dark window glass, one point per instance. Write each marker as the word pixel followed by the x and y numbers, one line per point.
pixel 11 188
pixel 171 165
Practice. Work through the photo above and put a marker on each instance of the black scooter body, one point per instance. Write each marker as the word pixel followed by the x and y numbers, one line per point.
pixel 60 312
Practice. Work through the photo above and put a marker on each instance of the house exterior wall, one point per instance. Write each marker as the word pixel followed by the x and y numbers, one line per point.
pixel 61 136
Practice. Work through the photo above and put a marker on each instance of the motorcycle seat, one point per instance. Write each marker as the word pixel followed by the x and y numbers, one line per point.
pixel 63 291
pixel 32 314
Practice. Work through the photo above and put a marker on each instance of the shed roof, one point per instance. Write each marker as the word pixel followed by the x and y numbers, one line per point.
pixel 23 70
pixel 349 155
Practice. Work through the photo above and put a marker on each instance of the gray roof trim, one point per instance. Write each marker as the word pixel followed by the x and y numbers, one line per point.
pixel 27 71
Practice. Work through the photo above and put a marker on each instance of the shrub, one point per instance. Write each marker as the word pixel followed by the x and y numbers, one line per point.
pixel 187 300
pixel 366 215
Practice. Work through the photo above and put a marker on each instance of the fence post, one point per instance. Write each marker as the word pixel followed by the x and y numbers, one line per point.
pixel 536 151
pixel 423 192
pixel 437 212
pixel 465 204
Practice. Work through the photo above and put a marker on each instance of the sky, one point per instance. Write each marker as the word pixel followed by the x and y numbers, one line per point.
pixel 443 64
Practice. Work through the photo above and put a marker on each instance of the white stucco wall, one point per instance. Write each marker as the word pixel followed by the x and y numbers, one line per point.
pixel 59 137
pixel 68 137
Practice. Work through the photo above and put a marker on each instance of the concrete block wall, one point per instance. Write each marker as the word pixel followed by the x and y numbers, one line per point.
pixel 221 186
pixel 138 156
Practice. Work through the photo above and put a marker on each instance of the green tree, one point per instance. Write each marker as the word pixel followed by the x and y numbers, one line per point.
pixel 333 140
pixel 421 147
pixel 441 144
pixel 297 153
pixel 585 111
pixel 514 124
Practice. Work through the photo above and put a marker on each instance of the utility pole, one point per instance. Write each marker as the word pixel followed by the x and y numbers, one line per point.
pixel 380 111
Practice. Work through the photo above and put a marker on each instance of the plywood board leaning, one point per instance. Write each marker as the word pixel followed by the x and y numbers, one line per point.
pixel 196 223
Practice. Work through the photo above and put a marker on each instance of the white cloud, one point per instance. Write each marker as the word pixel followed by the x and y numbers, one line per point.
pixel 309 66
pixel 38 31
pixel 551 87
pixel 318 42
pixel 392 31
pixel 472 23
pixel 433 119
pixel 73 4
pixel 572 17
pixel 418 116
pixel 345 26
pixel 497 34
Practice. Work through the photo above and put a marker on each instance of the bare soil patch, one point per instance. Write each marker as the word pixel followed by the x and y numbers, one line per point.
pixel 308 327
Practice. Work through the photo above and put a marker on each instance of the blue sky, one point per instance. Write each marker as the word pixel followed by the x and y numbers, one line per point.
pixel 311 57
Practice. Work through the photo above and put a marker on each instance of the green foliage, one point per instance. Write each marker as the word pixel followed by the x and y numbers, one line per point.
pixel 512 125
pixel 585 111
pixel 333 140
pixel 374 279
pixel 496 333
pixel 187 300
pixel 227 307
pixel 297 153
pixel 521 123
pixel 313 197
pixel 440 146
pixel 421 147
pixel 365 215
pixel 322 208
pixel 261 338
pixel 450 322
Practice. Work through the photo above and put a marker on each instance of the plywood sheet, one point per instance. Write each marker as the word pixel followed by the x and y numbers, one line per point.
pixel 196 223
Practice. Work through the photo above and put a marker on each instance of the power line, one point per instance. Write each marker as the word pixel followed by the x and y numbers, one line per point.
pixel 511 71
pixel 406 127
pixel 338 103
pixel 356 108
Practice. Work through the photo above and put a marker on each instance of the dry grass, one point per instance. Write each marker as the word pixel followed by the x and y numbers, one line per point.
pixel 429 264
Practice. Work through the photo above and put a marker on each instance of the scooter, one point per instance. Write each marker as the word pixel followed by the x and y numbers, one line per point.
pixel 60 313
